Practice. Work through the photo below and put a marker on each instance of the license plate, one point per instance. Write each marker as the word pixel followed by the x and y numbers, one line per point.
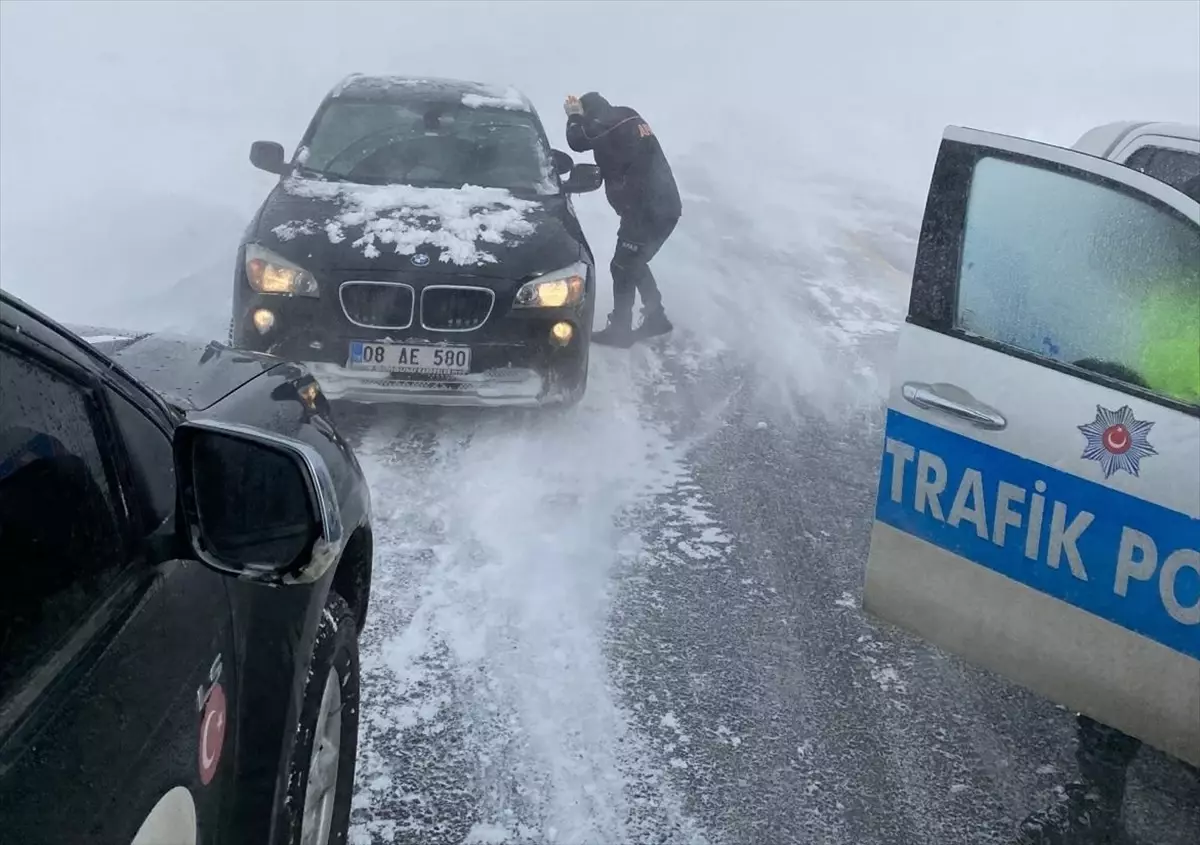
pixel 416 358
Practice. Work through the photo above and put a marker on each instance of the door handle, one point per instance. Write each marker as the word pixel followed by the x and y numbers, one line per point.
pixel 953 400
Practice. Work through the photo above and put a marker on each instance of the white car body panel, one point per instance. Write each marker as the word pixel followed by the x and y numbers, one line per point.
pixel 1129 146
pixel 1117 141
pixel 1070 655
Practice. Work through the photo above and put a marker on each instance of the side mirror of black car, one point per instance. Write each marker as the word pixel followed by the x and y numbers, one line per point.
pixel 268 156
pixel 584 178
pixel 256 505
pixel 562 162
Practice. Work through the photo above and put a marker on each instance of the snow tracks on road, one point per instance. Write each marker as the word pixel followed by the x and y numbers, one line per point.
pixel 490 713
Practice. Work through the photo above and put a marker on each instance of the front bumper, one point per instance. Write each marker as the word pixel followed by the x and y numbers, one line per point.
pixel 509 386
pixel 513 361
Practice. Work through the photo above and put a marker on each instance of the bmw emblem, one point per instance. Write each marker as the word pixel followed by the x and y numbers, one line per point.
pixel 420 259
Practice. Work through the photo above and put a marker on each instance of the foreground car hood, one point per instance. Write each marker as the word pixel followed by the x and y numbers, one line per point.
pixel 189 373
pixel 469 231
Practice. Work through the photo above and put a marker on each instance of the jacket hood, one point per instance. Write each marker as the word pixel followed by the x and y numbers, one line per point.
pixel 332 226
pixel 594 105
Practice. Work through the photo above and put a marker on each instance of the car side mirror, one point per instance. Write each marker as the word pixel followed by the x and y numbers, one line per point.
pixel 268 156
pixel 562 162
pixel 584 178
pixel 256 505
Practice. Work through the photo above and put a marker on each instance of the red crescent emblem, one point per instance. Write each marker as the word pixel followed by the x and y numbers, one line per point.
pixel 1116 439
pixel 212 733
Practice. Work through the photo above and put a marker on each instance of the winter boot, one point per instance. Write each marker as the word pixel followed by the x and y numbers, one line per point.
pixel 617 333
pixel 654 323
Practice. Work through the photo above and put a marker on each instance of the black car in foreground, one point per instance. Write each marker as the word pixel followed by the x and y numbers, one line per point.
pixel 421 246
pixel 186 547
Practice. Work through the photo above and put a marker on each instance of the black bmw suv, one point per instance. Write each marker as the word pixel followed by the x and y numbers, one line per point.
pixel 421 246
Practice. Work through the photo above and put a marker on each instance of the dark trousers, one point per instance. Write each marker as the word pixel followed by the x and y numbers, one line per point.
pixel 1104 755
pixel 638 240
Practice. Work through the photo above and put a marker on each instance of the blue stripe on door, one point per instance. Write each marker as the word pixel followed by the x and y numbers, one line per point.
pixel 1132 562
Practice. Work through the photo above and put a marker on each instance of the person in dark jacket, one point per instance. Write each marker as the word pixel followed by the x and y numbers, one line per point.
pixel 641 188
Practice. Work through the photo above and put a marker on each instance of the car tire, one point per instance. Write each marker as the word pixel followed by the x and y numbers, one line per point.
pixel 574 397
pixel 229 339
pixel 333 681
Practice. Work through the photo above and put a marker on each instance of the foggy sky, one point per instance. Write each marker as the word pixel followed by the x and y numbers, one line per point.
pixel 124 127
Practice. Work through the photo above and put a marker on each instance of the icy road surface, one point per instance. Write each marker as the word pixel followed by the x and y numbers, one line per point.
pixel 639 621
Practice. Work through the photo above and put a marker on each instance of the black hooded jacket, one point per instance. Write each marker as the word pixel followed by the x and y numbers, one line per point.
pixel 637 178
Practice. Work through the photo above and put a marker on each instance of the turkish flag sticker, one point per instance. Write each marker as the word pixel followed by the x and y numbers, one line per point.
pixel 212 733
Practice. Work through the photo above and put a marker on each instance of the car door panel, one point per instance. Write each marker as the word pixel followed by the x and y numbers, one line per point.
pixel 1021 570
pixel 1032 516
pixel 110 720
pixel 127 729
pixel 169 638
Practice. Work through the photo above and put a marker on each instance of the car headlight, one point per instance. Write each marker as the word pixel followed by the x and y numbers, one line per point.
pixel 554 290
pixel 270 273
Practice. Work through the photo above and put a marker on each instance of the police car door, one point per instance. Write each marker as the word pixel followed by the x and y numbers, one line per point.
pixel 1040 485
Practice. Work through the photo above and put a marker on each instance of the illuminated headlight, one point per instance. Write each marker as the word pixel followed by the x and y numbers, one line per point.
pixel 269 273
pixel 264 320
pixel 309 394
pixel 561 333
pixel 554 290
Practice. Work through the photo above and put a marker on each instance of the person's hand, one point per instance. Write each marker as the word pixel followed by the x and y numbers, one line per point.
pixel 573 106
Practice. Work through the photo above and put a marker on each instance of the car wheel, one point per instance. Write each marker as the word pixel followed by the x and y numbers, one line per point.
pixel 321 782
pixel 575 396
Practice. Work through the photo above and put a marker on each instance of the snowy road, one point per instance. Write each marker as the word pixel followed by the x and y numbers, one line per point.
pixel 585 632
pixel 639 622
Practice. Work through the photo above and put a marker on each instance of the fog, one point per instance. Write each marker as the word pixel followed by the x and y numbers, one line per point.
pixel 124 127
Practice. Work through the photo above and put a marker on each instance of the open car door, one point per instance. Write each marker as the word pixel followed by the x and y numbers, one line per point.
pixel 1039 494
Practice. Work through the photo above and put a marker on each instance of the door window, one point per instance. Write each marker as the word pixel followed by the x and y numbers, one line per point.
pixel 1082 274
pixel 151 462
pixel 1175 167
pixel 60 536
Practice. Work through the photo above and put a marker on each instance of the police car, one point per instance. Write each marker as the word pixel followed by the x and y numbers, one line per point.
pixel 1038 508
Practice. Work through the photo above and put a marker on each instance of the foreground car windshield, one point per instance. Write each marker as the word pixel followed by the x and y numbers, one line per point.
pixel 427 144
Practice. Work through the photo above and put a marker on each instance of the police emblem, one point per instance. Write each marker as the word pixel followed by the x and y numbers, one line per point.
pixel 1117 441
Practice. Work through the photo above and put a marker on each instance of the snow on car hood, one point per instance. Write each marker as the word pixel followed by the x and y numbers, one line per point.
pixel 465 223
pixel 510 98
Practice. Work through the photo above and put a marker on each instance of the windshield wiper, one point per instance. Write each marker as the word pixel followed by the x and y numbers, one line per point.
pixel 320 174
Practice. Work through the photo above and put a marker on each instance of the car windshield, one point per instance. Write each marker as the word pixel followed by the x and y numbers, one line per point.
pixel 428 144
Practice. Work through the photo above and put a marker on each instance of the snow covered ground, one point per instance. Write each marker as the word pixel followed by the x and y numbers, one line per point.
pixel 636 622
